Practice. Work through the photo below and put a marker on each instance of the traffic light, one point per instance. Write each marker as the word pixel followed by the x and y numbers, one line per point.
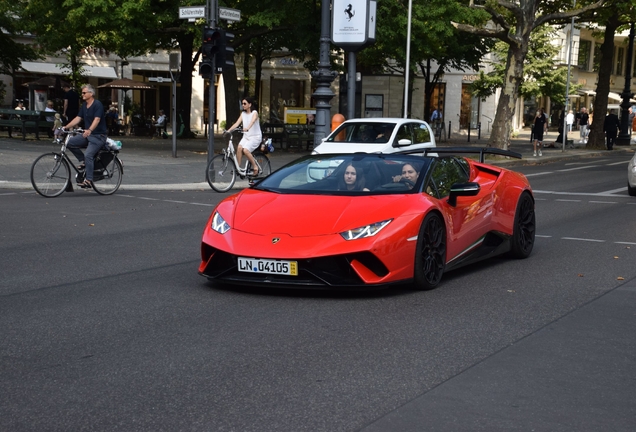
pixel 211 38
pixel 224 54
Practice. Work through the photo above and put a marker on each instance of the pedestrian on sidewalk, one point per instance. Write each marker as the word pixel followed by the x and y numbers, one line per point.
pixel 611 126
pixel 569 119
pixel 584 123
pixel 540 126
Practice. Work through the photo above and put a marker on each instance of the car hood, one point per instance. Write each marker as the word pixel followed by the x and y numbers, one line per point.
pixel 266 213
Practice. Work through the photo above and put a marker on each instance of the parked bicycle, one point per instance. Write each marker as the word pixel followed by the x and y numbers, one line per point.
pixel 223 168
pixel 51 172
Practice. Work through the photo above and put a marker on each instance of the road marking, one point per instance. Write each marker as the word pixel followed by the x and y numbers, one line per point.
pixel 567 200
pixel 618 163
pixel 627 243
pixel 202 204
pixel 602 202
pixel 539 174
pixel 585 163
pixel 613 191
pixel 578 168
pixel 596 194
pixel 583 239
pixel 149 199
pixel 542 236
pixel 175 201
pixel 9 193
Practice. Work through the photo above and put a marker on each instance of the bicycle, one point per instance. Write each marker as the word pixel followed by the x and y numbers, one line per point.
pixel 222 169
pixel 51 173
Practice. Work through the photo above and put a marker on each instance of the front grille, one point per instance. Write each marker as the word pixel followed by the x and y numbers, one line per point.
pixel 333 271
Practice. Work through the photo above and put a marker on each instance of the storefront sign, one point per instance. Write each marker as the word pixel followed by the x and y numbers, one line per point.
pixel 300 115
pixel 288 62
pixel 470 77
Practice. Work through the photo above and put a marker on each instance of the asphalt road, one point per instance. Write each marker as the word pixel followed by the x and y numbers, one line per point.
pixel 106 325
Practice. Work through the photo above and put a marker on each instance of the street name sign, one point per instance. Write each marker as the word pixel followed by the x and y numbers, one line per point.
pixel 229 14
pixel 191 12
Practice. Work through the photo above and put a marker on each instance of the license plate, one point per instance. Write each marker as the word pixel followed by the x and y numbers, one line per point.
pixel 259 265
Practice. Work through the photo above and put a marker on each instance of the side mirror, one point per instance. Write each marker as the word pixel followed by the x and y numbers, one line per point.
pixel 402 142
pixel 462 189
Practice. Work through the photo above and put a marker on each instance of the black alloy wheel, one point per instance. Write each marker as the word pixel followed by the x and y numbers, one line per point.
pixel 524 227
pixel 430 258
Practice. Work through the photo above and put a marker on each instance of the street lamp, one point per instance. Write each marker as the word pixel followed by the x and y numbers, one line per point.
pixel 122 95
pixel 323 77
pixel 624 137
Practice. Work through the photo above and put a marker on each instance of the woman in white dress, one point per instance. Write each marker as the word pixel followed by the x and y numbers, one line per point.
pixel 252 136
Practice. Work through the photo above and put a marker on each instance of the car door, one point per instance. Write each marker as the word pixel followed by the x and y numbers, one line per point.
pixel 422 135
pixel 470 218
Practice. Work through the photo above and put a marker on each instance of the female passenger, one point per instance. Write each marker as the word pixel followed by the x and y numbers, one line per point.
pixel 352 180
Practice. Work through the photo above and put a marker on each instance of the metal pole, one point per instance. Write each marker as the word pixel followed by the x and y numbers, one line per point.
pixel 174 115
pixel 567 84
pixel 407 67
pixel 351 86
pixel 212 14
pixel 323 77
pixel 624 136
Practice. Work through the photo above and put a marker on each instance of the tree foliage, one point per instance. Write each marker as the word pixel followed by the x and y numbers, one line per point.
pixel 543 76
pixel 436 46
pixel 11 24
pixel 513 23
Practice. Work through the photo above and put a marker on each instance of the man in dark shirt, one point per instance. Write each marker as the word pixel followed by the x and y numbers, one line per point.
pixel 94 136
pixel 71 103
pixel 611 126
pixel 583 124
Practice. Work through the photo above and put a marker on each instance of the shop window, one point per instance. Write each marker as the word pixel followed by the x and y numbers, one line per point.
pixel 585 47
pixel 284 94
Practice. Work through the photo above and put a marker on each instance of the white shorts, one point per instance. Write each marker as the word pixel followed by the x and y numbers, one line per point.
pixel 250 143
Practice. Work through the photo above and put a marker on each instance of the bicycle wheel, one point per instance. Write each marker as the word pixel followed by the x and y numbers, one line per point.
pixel 264 163
pixel 221 173
pixel 50 175
pixel 107 179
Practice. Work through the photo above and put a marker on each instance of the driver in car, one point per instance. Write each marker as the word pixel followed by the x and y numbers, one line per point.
pixel 409 173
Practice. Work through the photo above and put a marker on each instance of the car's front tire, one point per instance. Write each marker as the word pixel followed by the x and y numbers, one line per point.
pixel 630 190
pixel 524 227
pixel 430 258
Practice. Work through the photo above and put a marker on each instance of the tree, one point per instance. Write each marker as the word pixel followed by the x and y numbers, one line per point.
pixel 542 75
pixel 269 29
pixel 615 16
pixel 513 23
pixel 13 53
pixel 433 40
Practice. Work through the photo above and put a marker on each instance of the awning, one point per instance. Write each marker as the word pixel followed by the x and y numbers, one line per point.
pixel 617 97
pixel 54 69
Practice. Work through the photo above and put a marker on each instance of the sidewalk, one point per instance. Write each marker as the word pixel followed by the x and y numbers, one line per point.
pixel 149 165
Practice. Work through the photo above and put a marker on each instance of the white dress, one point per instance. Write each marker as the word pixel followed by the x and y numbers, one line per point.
pixel 253 137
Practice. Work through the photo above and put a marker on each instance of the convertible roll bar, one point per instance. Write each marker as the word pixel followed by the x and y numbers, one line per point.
pixel 474 150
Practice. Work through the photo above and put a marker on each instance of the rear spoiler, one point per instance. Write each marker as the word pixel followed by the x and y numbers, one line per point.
pixel 473 150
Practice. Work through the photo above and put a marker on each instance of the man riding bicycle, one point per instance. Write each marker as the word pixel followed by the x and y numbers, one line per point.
pixel 94 136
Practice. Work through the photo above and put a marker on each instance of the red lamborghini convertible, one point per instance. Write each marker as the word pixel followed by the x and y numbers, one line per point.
pixel 369 220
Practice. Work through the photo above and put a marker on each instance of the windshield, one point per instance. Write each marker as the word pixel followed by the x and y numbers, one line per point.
pixel 360 132
pixel 349 174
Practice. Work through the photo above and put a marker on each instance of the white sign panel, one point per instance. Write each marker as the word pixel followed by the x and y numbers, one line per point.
pixel 353 23
pixel 192 12
pixel 349 22
pixel 229 14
